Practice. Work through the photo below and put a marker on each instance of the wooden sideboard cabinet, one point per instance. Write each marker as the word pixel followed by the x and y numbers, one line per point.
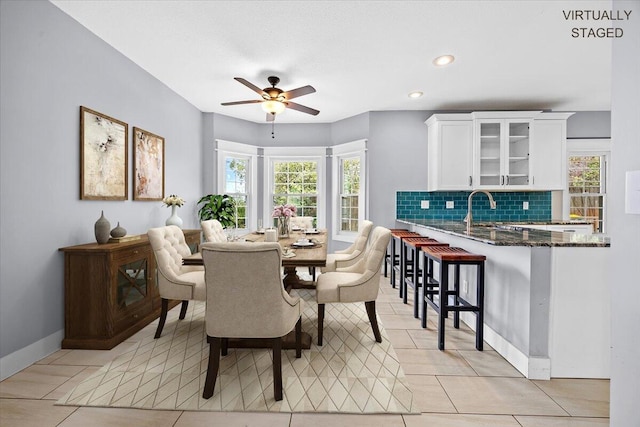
pixel 111 291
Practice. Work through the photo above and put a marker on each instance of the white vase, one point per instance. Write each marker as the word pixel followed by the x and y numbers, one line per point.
pixel 174 219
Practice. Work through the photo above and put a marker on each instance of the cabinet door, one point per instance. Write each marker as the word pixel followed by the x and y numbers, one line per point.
pixel 517 146
pixel 489 154
pixel 450 153
pixel 502 154
pixel 549 155
pixel 133 285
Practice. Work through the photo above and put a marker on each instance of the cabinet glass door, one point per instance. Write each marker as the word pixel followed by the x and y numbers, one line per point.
pixel 132 283
pixel 517 172
pixel 490 154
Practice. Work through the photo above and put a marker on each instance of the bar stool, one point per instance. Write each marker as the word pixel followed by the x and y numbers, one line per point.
pixel 387 255
pixel 447 256
pixel 416 277
pixel 399 267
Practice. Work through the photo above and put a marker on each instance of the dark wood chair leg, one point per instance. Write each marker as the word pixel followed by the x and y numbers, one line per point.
pixel 312 273
pixel 320 322
pixel 277 368
pixel 183 310
pixel 163 317
pixel 371 312
pixel 299 338
pixel 214 365
pixel 225 346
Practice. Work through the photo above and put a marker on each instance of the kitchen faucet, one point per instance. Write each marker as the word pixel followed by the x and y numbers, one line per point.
pixel 469 218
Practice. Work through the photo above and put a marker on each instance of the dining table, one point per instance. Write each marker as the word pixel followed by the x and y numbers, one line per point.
pixel 302 248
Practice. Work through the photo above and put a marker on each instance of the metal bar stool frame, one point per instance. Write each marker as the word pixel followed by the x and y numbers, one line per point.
pixel 416 277
pixel 447 256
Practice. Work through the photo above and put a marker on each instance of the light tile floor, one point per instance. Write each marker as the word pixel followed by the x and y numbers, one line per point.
pixel 457 387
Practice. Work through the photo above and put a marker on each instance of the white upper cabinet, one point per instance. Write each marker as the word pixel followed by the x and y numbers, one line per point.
pixel 549 153
pixel 497 150
pixel 450 151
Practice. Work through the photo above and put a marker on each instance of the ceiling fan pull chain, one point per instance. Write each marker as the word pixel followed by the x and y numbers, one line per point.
pixel 273 125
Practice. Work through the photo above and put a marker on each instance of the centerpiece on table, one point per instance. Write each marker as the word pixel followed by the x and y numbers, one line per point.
pixel 283 213
pixel 174 202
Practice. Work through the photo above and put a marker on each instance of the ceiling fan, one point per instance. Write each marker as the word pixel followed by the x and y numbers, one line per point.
pixel 275 100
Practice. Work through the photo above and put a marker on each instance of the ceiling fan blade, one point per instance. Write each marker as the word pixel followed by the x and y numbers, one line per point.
pixel 302 108
pixel 271 117
pixel 253 101
pixel 251 86
pixel 294 93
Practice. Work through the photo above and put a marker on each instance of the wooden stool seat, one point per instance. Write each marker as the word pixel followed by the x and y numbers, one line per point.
pixel 446 256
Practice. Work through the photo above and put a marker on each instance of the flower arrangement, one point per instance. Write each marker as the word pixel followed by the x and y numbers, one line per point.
pixel 173 200
pixel 284 211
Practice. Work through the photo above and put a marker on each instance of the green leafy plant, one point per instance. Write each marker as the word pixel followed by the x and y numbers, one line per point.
pixel 218 206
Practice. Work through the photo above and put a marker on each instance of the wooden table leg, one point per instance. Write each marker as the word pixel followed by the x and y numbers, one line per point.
pixel 292 280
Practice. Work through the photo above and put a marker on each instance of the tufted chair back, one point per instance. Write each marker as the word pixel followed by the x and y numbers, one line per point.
pixel 213 231
pixel 169 246
pixel 351 255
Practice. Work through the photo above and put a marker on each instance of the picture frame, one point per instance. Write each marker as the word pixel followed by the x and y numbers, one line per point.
pixel 148 165
pixel 104 145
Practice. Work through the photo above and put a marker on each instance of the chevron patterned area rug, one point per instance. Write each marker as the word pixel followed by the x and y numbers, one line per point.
pixel 350 373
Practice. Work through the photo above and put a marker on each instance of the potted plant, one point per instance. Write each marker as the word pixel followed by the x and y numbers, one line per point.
pixel 220 207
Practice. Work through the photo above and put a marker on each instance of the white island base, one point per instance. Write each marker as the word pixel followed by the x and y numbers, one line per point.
pixel 547 308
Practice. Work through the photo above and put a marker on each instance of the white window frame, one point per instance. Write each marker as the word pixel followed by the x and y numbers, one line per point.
pixel 289 154
pixel 588 147
pixel 347 150
pixel 247 152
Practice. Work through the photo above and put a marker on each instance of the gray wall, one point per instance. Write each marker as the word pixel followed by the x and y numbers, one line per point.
pixel 624 228
pixel 589 124
pixel 49 66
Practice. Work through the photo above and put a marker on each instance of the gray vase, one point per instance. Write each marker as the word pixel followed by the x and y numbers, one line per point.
pixel 118 231
pixel 101 229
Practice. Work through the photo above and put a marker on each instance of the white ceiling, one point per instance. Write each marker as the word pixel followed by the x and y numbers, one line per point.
pixel 361 55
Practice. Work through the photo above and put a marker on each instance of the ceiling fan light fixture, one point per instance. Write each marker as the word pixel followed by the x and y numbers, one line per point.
pixel 416 94
pixel 443 60
pixel 273 107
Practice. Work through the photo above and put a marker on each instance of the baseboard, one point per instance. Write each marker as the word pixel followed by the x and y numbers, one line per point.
pixel 26 356
pixel 534 368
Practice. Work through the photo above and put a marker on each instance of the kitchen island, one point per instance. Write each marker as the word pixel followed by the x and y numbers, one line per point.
pixel 547 308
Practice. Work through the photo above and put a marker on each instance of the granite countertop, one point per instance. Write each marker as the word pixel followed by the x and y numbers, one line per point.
pixel 498 235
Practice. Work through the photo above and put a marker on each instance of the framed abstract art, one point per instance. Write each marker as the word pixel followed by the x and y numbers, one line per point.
pixel 104 143
pixel 148 165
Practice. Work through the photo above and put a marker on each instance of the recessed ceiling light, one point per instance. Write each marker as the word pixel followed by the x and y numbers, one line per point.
pixel 416 94
pixel 443 60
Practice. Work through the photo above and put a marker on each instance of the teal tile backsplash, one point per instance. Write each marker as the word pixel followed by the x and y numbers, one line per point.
pixel 509 206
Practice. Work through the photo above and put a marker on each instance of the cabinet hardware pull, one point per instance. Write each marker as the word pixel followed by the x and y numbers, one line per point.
pixel 501 179
pixel 507 179
pixel 470 180
pixel 135 252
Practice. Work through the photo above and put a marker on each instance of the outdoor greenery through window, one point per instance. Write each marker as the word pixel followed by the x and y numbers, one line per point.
pixel 296 183
pixel 236 186
pixel 349 193
pixel 587 190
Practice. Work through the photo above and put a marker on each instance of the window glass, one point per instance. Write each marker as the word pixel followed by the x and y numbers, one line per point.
pixel 586 190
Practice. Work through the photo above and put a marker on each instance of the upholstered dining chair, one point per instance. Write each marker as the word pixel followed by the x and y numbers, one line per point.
pixel 175 281
pixel 351 255
pixel 246 299
pixel 357 283
pixel 213 231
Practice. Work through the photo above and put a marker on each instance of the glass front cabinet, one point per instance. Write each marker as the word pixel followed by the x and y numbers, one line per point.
pixel 502 152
